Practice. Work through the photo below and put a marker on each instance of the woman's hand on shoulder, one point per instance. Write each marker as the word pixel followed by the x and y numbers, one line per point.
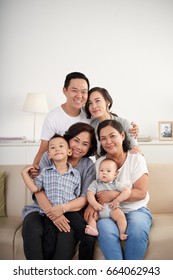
pixel 134 130
pixel 136 150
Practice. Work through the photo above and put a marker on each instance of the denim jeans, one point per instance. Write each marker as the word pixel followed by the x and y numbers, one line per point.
pixel 138 228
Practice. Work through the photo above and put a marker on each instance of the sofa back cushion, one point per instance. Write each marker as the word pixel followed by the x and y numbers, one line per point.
pixel 16 193
pixel 161 188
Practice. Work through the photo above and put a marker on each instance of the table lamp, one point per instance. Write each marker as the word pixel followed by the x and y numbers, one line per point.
pixel 35 103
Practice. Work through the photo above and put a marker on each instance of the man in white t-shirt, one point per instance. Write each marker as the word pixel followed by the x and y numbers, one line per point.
pixel 58 121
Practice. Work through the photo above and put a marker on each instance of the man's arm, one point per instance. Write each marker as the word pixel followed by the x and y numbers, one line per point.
pixel 34 172
pixel 43 148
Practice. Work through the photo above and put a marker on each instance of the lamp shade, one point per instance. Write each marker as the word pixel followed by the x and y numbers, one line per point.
pixel 36 103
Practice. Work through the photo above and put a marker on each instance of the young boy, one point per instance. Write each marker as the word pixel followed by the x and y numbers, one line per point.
pixel 107 181
pixel 61 183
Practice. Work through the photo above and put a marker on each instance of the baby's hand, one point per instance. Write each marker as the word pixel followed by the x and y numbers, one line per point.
pixel 114 204
pixel 98 207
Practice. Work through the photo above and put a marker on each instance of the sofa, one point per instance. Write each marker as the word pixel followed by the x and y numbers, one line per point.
pixel 16 196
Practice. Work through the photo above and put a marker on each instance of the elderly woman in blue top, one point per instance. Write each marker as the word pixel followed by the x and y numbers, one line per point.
pixel 131 168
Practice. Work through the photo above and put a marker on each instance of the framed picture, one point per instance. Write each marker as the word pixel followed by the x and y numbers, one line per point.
pixel 166 131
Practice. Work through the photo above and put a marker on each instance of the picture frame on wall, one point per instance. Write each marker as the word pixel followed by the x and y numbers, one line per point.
pixel 166 130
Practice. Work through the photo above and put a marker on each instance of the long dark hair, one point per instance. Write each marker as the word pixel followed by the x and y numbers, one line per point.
pixel 118 126
pixel 105 95
pixel 79 127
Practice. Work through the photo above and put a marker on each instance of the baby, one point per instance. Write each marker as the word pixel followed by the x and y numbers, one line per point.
pixel 107 175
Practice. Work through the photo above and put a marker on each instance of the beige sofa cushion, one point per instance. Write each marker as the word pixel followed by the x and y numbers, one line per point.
pixel 160 245
pixel 161 188
pixel 18 245
pixel 8 228
pixel 15 190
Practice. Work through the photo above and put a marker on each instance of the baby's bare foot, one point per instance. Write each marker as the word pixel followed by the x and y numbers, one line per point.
pixel 123 236
pixel 91 231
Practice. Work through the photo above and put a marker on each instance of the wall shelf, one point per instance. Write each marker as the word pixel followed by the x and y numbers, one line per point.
pixel 157 151
pixel 18 153
pixel 23 153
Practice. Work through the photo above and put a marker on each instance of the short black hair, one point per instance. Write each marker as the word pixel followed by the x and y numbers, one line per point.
pixel 75 75
pixel 59 136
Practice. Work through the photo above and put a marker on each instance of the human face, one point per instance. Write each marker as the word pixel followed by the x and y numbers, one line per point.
pixel 98 106
pixel 80 145
pixel 107 171
pixel 58 149
pixel 111 140
pixel 76 93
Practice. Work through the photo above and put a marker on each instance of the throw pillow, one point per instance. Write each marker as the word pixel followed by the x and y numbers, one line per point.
pixel 2 194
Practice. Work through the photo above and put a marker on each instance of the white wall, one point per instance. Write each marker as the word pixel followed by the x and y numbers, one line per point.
pixel 125 46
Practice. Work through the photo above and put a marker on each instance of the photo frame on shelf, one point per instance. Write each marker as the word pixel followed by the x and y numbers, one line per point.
pixel 165 130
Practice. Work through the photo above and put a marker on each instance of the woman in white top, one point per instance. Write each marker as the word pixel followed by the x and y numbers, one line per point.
pixel 132 169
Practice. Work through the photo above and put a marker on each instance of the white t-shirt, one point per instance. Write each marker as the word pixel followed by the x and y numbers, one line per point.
pixel 57 121
pixel 133 168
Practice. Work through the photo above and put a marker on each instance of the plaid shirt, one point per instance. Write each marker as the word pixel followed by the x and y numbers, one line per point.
pixel 59 188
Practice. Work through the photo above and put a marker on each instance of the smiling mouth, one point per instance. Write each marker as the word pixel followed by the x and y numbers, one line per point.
pixel 79 101
pixel 76 151
pixel 57 154
pixel 96 111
